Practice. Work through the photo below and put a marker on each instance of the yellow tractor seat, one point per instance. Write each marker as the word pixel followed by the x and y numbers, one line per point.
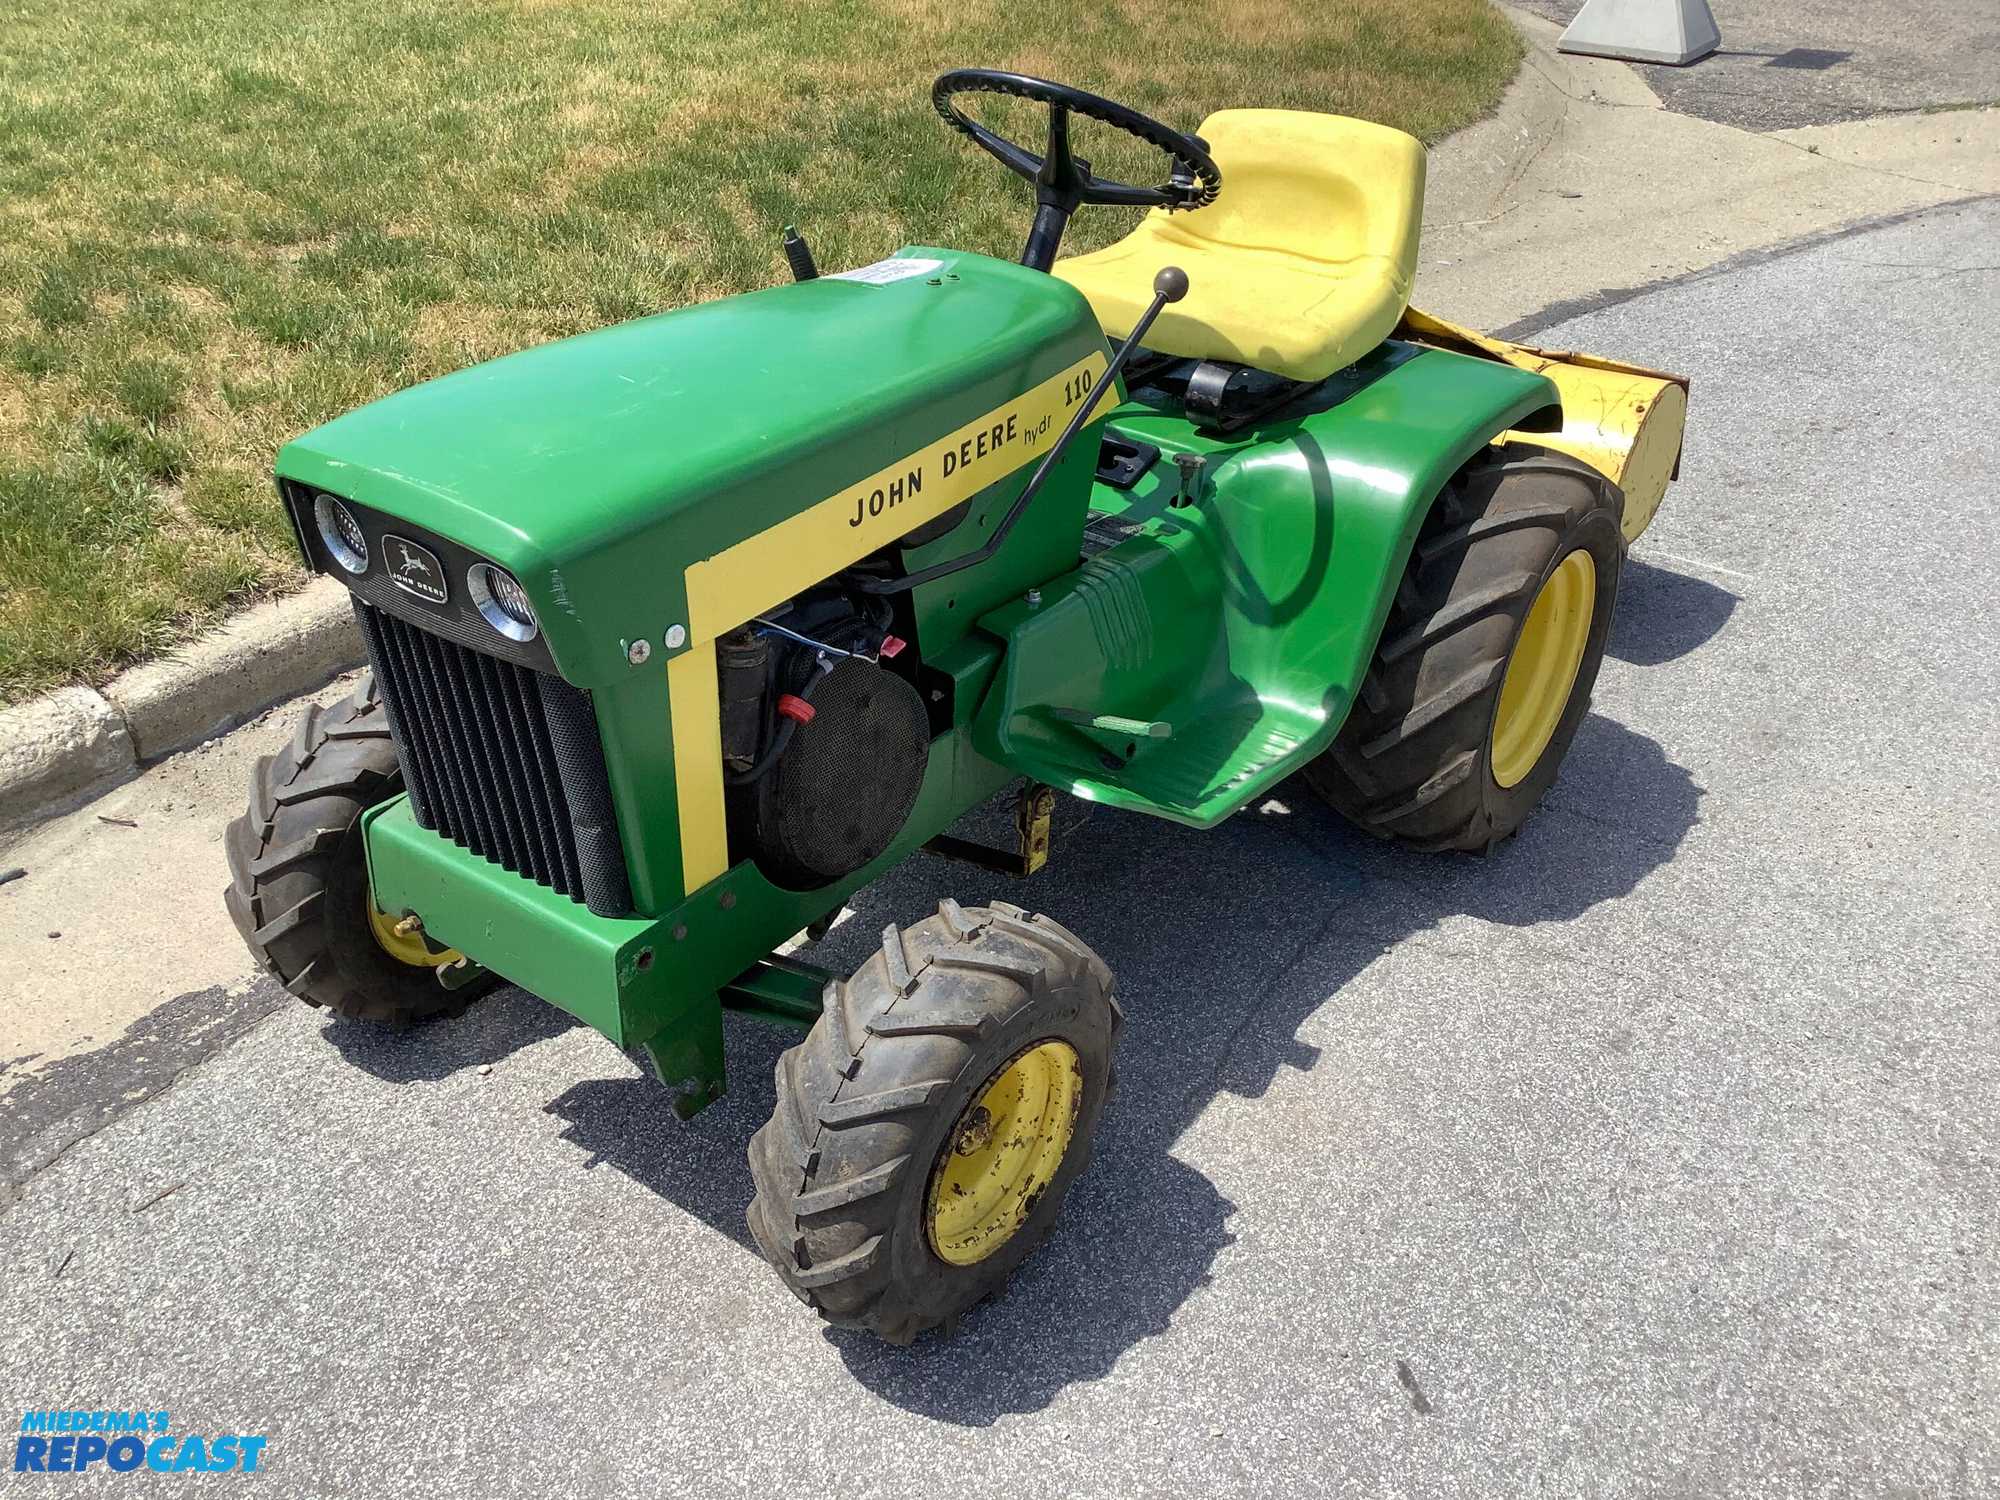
pixel 1300 266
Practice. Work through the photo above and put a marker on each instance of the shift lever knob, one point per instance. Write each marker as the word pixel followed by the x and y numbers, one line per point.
pixel 1171 283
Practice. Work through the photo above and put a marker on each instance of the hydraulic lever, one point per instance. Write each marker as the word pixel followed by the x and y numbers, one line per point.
pixel 1169 286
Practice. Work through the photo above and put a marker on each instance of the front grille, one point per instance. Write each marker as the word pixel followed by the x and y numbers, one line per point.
pixel 501 760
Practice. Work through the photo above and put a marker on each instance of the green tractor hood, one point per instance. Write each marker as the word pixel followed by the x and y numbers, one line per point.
pixel 597 469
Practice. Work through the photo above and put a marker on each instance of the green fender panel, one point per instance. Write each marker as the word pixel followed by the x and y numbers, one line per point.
pixel 1239 627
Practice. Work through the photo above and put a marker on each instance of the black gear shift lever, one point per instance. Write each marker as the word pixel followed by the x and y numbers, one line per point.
pixel 1169 286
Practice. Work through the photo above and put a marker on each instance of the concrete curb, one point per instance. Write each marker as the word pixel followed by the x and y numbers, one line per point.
pixel 263 656
pixel 1473 172
pixel 59 749
pixel 67 746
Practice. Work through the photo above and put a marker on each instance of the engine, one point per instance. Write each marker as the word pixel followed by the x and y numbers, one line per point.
pixel 825 738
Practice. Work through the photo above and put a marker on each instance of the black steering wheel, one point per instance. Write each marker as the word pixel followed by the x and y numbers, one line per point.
pixel 1063 181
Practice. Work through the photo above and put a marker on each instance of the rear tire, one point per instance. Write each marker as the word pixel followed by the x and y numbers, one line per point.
pixel 298 890
pixel 873 1106
pixel 1415 761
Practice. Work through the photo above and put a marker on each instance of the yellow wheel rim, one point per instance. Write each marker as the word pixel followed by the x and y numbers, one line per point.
pixel 406 948
pixel 1003 1152
pixel 1543 668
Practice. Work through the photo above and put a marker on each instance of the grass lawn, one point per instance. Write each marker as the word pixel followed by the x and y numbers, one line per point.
pixel 223 221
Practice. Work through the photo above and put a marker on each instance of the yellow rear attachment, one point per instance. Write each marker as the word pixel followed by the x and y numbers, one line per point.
pixel 1623 420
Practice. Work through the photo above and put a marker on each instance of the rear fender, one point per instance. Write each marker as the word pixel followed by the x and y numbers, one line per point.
pixel 1243 624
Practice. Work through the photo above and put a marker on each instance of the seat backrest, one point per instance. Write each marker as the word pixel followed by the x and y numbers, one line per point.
pixel 1320 187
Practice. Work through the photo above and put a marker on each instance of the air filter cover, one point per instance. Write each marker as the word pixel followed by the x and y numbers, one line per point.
pixel 845 785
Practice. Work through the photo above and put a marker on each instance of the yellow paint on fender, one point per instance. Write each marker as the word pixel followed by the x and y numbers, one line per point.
pixel 762 571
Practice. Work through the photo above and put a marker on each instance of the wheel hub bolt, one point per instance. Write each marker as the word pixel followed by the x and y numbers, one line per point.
pixel 975 1134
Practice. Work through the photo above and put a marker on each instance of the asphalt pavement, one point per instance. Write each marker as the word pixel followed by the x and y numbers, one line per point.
pixel 1788 63
pixel 1653 1154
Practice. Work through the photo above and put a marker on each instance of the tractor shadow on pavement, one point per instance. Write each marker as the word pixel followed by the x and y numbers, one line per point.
pixel 492 1030
pixel 1225 942
pixel 1663 615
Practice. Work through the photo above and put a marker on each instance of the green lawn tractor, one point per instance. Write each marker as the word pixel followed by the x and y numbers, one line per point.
pixel 683 630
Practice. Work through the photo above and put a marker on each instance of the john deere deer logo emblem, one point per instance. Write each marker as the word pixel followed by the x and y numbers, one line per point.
pixel 416 569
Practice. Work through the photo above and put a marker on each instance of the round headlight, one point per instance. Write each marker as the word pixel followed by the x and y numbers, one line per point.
pixel 342 534
pixel 502 602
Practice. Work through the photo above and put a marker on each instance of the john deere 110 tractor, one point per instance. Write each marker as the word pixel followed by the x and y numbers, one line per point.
pixel 683 630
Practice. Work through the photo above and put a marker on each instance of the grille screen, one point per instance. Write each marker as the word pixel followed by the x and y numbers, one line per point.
pixel 501 760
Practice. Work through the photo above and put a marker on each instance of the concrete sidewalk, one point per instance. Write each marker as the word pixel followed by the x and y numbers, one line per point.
pixel 1584 185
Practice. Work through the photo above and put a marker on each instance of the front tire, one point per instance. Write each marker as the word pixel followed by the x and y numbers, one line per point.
pixel 1486 662
pixel 298 890
pixel 928 1127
